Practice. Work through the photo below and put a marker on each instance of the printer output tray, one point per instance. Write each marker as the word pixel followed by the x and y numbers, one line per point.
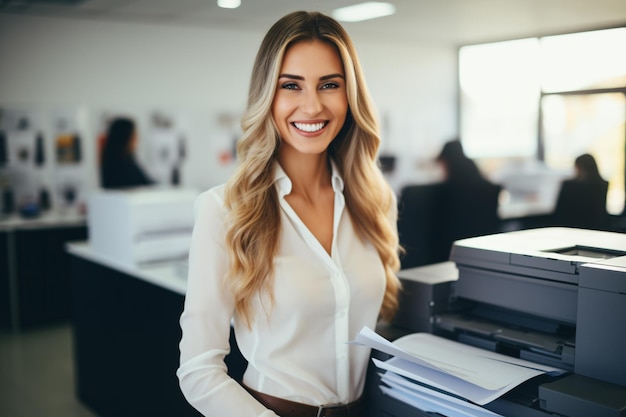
pixel 511 333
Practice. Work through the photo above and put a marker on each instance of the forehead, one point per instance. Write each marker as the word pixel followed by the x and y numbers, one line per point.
pixel 312 56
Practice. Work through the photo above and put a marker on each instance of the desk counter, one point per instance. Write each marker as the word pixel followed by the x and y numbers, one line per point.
pixel 126 334
pixel 169 274
pixel 34 268
pixel 50 219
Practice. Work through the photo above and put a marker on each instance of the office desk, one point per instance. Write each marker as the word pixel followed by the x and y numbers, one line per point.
pixel 34 269
pixel 126 336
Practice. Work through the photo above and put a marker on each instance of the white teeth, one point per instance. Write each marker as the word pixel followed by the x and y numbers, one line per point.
pixel 309 127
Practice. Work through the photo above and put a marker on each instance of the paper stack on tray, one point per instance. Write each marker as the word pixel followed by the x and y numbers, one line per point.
pixel 439 375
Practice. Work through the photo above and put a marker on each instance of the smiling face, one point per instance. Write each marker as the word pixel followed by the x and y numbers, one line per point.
pixel 310 103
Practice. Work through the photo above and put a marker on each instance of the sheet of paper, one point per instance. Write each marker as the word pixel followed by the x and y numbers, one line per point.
pixel 449 356
pixel 430 347
pixel 368 337
pixel 436 401
pixel 445 382
pixel 437 380
pixel 486 369
pixel 469 372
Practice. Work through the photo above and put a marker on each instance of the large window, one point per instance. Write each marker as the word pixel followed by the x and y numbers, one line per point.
pixel 499 96
pixel 548 99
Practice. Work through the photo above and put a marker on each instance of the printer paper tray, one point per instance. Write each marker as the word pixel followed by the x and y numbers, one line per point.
pixel 550 349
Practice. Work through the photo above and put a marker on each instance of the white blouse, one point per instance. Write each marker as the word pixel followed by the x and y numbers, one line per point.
pixel 298 349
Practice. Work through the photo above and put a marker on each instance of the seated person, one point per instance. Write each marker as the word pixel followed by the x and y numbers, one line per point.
pixel 432 216
pixel 468 204
pixel 581 201
pixel 118 166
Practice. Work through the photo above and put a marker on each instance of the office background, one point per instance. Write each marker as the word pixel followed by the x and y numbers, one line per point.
pixel 91 65
pixel 202 73
pixel 142 57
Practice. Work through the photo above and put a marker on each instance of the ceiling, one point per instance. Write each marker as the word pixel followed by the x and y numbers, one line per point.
pixel 449 22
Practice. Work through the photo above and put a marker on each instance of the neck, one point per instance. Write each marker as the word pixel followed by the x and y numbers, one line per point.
pixel 309 175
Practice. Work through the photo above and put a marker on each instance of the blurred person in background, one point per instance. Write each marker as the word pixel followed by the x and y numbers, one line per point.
pixel 581 201
pixel 118 165
pixel 468 203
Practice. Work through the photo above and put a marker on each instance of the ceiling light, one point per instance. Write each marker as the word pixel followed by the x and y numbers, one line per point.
pixel 364 11
pixel 229 4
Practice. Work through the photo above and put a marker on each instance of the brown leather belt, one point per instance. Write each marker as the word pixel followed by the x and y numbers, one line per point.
pixel 286 408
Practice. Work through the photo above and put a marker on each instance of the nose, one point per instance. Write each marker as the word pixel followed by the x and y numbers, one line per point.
pixel 311 103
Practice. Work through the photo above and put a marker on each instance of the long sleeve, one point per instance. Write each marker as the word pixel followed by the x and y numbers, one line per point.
pixel 297 346
pixel 206 319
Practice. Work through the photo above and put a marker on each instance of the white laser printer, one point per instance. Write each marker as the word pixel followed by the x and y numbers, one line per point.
pixel 141 225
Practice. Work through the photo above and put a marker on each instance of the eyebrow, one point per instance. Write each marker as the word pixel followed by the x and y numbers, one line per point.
pixel 299 77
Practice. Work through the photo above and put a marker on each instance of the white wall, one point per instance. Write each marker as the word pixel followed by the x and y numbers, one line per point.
pixel 95 66
pixel 415 90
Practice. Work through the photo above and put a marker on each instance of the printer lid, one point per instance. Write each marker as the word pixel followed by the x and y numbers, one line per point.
pixel 553 253
pixel 609 275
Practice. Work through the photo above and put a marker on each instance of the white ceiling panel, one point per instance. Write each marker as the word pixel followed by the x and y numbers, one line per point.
pixel 452 22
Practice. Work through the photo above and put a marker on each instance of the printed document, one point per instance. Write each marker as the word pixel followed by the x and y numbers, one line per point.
pixel 463 371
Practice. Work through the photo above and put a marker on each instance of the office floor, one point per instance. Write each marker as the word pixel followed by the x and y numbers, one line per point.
pixel 37 374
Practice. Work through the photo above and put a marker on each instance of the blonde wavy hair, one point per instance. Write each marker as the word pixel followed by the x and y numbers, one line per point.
pixel 250 195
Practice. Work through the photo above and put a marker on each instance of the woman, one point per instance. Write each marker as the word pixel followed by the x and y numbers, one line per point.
pixel 118 167
pixel 300 246
pixel 581 201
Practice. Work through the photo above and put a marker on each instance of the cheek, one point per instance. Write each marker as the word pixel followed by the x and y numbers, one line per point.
pixel 280 111
pixel 340 103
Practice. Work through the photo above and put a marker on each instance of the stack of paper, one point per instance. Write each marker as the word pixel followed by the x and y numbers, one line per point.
pixel 440 375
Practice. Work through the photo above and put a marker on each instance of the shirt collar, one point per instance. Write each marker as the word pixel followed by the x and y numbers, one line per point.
pixel 283 183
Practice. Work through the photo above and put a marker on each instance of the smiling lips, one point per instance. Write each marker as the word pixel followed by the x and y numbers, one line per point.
pixel 310 127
